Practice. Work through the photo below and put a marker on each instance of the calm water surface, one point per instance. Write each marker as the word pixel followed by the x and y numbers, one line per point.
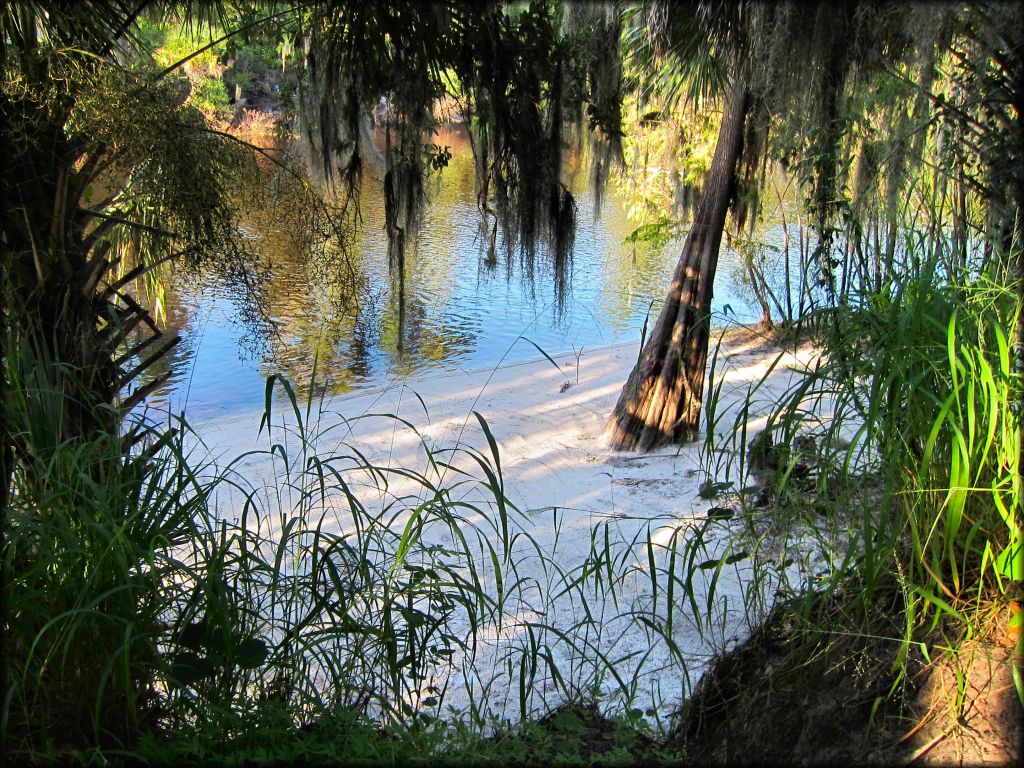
pixel 461 310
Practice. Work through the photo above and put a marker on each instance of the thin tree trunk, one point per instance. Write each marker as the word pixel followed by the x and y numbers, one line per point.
pixel 804 246
pixel 6 443
pixel 661 401
pixel 759 286
pixel 788 320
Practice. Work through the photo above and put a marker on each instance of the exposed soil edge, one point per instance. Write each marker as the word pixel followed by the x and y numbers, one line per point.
pixel 789 696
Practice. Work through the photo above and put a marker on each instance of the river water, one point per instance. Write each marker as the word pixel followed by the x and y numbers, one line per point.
pixel 463 308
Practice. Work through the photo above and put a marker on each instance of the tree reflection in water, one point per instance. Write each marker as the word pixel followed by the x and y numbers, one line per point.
pixel 320 291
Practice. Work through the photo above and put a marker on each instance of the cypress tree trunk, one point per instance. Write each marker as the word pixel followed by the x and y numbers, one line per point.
pixel 661 401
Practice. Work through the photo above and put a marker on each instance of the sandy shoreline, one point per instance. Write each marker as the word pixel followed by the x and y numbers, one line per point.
pixel 571 491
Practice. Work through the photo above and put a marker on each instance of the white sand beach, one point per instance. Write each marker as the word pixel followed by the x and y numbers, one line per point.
pixel 574 495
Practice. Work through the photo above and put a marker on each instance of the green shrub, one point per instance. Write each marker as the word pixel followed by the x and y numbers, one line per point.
pixel 87 530
pixel 210 95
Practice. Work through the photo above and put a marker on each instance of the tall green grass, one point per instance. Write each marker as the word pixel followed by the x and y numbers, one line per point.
pixel 86 532
pixel 929 376
pixel 911 418
pixel 151 591
pixel 304 582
